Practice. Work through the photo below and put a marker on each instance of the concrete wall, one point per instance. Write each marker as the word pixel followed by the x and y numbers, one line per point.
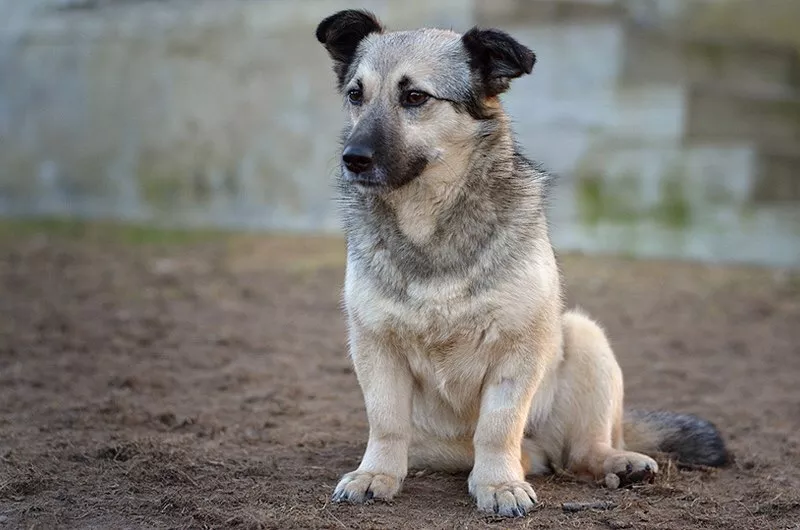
pixel 654 160
pixel 224 112
pixel 186 111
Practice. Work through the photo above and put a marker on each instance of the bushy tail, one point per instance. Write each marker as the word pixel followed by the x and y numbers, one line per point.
pixel 691 439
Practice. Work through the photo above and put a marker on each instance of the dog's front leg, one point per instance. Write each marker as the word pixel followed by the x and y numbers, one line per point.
pixel 497 480
pixel 386 383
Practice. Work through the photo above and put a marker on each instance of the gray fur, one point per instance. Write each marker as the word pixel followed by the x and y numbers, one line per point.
pixel 426 48
pixel 452 291
pixel 693 440
pixel 499 209
pixel 498 212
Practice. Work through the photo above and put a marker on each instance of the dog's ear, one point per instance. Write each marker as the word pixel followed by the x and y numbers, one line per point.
pixel 497 58
pixel 341 32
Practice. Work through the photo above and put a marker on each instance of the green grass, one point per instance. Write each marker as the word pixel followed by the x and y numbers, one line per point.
pixel 107 231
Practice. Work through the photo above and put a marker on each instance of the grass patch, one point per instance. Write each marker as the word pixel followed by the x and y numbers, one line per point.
pixel 107 231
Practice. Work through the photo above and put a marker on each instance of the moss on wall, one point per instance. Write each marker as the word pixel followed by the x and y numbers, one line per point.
pixel 618 199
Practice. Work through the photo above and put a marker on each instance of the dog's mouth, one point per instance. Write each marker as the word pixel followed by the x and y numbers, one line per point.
pixel 365 181
pixel 380 179
pixel 371 181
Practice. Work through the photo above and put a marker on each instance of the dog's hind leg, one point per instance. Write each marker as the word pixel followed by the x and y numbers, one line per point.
pixel 583 432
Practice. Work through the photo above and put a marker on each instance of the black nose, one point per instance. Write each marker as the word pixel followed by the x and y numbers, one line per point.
pixel 357 158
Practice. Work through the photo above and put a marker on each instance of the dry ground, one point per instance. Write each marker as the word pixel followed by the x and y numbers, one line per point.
pixel 162 381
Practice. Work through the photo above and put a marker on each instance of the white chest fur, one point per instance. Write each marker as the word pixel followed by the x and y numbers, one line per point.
pixel 448 336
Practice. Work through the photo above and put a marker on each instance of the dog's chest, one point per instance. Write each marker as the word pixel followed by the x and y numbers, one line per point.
pixel 450 334
pixel 452 366
pixel 448 337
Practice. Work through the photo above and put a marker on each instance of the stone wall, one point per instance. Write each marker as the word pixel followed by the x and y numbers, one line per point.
pixel 196 111
pixel 223 112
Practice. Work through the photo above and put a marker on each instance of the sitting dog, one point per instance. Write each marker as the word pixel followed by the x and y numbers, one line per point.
pixel 458 333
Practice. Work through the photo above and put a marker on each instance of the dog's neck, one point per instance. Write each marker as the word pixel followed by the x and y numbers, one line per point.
pixel 447 218
pixel 419 206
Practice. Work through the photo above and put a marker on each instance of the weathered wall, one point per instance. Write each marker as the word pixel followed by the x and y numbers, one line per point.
pixel 666 146
pixel 201 111
pixel 224 112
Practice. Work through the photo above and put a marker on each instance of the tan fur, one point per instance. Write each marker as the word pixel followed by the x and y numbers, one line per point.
pixel 497 380
pixel 475 390
pixel 471 381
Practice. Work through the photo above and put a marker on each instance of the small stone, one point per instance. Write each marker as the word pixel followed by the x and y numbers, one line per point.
pixel 3 519
pixel 612 481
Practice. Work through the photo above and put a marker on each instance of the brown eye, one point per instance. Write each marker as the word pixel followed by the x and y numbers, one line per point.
pixel 355 96
pixel 414 98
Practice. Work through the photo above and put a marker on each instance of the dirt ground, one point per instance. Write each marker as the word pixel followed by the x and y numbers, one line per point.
pixel 170 382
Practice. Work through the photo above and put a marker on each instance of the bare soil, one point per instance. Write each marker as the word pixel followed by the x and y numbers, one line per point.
pixel 205 384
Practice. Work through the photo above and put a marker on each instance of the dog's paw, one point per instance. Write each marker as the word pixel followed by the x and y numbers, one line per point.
pixel 361 486
pixel 630 467
pixel 510 499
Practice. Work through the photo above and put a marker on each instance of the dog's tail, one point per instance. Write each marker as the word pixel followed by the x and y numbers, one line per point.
pixel 686 437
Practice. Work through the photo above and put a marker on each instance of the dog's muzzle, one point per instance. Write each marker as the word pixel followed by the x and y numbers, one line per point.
pixel 360 166
pixel 358 159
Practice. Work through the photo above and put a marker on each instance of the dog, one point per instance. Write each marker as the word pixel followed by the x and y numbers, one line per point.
pixel 463 349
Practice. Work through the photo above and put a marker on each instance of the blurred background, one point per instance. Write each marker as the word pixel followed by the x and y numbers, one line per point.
pixel 674 125
pixel 173 352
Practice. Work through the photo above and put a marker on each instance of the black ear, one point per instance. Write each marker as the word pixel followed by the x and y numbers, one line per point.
pixel 497 58
pixel 341 32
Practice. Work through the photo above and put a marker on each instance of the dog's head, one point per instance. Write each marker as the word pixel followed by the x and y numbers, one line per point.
pixel 414 98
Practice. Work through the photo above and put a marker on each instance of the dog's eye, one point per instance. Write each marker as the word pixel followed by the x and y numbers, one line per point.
pixel 355 96
pixel 413 98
